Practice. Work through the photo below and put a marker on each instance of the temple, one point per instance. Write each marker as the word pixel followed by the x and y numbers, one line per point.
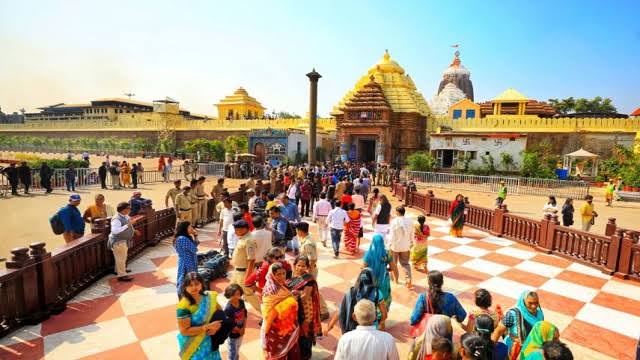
pixel 512 102
pixel 240 106
pixel 457 75
pixel 383 118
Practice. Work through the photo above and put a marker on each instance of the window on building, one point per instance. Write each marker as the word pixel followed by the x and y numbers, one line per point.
pixel 472 155
pixel 471 113
pixel 299 147
pixel 512 139
pixel 483 139
pixel 487 153
pixel 457 114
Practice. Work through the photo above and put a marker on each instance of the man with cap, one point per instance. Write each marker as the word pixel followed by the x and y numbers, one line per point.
pixel 172 193
pixel 72 219
pixel 308 249
pixel 137 202
pixel 183 205
pixel 122 232
pixel 201 195
pixel 251 193
pixel 244 260
pixel 502 194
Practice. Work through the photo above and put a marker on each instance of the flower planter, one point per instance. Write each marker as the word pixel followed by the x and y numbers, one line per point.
pixel 626 188
pixel 635 189
pixel 599 184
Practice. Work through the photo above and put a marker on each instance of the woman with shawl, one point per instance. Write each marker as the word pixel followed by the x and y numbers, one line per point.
pixel 541 332
pixel 438 326
pixel 364 288
pixel 518 322
pixel 421 233
pixel 352 229
pixel 305 288
pixel 377 258
pixel 125 174
pixel 456 215
pixel 280 330
pixel 195 315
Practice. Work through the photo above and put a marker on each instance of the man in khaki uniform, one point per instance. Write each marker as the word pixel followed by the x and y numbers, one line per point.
pixel 172 193
pixel 183 205
pixel 193 198
pixel 217 191
pixel 244 261
pixel 201 195
pixel 308 248
pixel 251 184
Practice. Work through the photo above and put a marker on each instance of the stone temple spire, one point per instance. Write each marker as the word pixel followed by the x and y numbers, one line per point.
pixel 459 76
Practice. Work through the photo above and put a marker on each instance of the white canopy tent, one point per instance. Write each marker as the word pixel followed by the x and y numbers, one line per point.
pixel 580 157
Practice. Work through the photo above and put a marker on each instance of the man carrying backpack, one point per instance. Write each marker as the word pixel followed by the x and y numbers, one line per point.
pixel 71 219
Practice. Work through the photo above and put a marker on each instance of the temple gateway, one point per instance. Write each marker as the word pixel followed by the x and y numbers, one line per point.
pixel 383 118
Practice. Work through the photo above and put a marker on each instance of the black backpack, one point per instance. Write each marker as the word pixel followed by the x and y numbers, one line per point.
pixel 56 223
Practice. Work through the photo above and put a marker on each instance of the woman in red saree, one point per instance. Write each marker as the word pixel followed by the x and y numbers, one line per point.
pixel 303 285
pixel 456 216
pixel 352 229
pixel 280 331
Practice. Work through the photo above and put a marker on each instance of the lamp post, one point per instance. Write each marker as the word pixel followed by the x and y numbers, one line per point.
pixel 313 113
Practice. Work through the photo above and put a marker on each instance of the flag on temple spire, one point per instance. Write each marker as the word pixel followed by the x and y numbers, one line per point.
pixel 455 46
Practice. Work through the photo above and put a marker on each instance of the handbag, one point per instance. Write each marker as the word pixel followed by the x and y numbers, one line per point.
pixel 418 329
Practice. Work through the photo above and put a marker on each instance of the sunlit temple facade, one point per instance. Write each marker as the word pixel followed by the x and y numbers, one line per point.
pixel 383 118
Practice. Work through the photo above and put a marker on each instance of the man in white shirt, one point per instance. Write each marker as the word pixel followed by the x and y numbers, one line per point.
pixel 291 192
pixel 262 238
pixel 320 212
pixel 226 225
pixel 251 193
pixel 122 232
pixel 400 241
pixel 366 342
pixel 336 218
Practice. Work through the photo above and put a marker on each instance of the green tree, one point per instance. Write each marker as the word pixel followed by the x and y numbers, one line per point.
pixel 507 162
pixel 421 161
pixel 233 144
pixel 583 105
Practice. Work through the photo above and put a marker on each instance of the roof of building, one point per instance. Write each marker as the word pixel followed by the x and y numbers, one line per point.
pixel 122 101
pixel 466 102
pixel 582 153
pixel 240 97
pixel 370 97
pixel 636 112
pixel 399 89
pixel 510 94
pixel 456 66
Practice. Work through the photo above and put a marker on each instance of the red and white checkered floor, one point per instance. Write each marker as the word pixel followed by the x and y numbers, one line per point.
pixel 598 316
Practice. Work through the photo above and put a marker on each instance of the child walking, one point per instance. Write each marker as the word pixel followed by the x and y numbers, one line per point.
pixel 236 311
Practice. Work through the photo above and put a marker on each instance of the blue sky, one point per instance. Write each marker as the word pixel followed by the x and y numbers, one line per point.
pixel 199 51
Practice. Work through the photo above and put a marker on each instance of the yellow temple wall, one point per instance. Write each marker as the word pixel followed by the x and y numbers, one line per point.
pixel 157 121
pixel 527 124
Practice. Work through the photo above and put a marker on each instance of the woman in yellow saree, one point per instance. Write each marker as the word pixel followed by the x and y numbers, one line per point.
pixel 195 309
pixel 280 329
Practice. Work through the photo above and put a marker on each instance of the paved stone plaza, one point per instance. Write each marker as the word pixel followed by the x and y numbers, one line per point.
pixel 136 320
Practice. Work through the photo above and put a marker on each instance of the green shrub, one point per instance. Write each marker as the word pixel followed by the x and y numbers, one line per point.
pixel 421 161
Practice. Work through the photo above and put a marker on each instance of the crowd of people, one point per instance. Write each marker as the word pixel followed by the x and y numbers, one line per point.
pixel 259 234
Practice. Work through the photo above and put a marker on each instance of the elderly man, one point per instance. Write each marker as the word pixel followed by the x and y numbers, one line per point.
pixel 122 232
pixel 365 342
pixel 71 219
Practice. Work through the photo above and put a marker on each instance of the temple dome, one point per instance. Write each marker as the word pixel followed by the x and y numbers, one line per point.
pixel 449 95
pixel 241 91
pixel 399 89
pixel 459 75
pixel 456 67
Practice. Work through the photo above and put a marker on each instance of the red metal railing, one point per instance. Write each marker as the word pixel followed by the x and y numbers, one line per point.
pixel 617 252
pixel 38 283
